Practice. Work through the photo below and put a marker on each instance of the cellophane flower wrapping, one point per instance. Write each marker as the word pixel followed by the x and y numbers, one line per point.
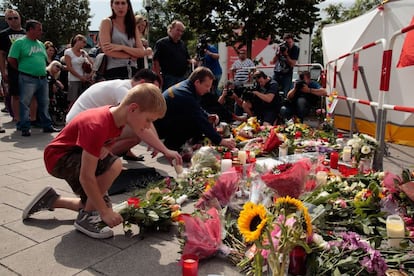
pixel 205 157
pixel 290 182
pixel 223 190
pixel 202 234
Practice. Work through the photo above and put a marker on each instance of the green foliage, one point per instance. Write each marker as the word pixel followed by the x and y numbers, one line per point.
pixel 259 19
pixel 61 19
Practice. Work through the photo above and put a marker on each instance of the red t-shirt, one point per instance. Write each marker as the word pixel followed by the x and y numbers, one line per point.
pixel 90 130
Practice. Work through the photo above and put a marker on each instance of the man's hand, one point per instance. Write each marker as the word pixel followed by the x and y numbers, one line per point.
pixel 111 218
pixel 228 143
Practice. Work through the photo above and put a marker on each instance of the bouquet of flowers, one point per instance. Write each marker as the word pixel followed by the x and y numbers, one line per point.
pixel 363 146
pixel 346 254
pixel 275 232
pixel 288 179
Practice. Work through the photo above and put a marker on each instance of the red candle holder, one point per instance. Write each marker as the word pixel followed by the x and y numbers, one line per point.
pixel 297 261
pixel 334 158
pixel 190 265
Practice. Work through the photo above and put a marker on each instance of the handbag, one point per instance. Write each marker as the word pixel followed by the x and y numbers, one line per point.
pixel 86 65
pixel 99 66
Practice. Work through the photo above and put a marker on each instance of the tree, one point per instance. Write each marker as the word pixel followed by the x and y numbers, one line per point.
pixel 61 19
pixel 255 19
pixel 336 14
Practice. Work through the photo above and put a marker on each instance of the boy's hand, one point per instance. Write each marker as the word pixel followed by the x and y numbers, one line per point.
pixel 111 218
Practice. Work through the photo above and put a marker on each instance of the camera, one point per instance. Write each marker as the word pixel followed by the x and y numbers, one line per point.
pixel 230 92
pixel 299 85
pixel 283 47
pixel 247 94
pixel 201 47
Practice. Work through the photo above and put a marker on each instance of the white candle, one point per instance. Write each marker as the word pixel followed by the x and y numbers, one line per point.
pixel 395 230
pixel 321 178
pixel 178 168
pixel 242 156
pixel 346 154
pixel 283 150
pixel 226 164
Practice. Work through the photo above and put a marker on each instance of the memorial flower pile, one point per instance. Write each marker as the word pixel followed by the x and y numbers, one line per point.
pixel 363 146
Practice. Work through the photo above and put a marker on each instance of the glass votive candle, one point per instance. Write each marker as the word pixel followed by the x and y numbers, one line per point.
pixel 242 155
pixel 190 265
pixel 226 164
pixel 321 178
pixel 395 230
pixel 346 154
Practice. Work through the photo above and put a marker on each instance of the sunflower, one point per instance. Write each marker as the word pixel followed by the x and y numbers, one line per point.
pixel 300 207
pixel 251 221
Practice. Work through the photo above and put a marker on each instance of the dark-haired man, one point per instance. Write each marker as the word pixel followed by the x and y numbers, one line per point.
pixel 112 92
pixel 285 59
pixel 28 56
pixel 302 97
pixel 185 118
pixel 264 103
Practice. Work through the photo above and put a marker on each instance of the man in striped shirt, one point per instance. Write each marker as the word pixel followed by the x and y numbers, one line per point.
pixel 240 73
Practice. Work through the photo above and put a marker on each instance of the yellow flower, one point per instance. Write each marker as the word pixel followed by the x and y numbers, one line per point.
pixel 300 207
pixel 251 221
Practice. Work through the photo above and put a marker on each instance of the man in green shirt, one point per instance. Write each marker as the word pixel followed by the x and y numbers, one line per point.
pixel 28 56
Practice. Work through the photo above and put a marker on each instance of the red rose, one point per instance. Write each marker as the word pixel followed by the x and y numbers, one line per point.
pixel 134 201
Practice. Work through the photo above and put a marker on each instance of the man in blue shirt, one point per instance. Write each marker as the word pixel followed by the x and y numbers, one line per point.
pixel 211 61
pixel 185 118
pixel 302 97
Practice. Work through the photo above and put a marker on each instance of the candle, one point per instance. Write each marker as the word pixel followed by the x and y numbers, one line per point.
pixel 178 168
pixel 226 164
pixel 283 150
pixel 395 230
pixel 190 265
pixel 334 160
pixel 297 261
pixel 321 178
pixel 242 155
pixel 346 154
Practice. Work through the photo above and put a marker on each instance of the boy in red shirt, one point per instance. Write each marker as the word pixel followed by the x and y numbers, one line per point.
pixel 81 154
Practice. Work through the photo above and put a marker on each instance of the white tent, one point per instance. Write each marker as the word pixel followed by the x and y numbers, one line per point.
pixel 343 38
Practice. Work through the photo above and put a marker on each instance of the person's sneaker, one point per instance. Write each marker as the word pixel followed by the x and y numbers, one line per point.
pixel 2 130
pixel 5 110
pixel 91 224
pixel 26 132
pixel 43 201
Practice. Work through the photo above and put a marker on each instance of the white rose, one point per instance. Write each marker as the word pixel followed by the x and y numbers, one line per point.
pixel 365 150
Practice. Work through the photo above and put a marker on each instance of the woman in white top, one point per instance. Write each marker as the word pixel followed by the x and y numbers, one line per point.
pixel 121 41
pixel 78 80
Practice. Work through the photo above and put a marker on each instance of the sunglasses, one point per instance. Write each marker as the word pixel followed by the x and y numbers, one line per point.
pixel 11 18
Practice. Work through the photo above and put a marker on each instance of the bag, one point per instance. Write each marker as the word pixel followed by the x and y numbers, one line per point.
pixel 87 67
pixel 99 67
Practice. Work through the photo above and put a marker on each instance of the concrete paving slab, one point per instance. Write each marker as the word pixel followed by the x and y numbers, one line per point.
pixel 44 225
pixel 12 242
pixel 64 255
pixel 6 272
pixel 9 214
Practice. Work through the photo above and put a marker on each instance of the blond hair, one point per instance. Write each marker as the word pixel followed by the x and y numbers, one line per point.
pixel 50 66
pixel 148 97
pixel 140 18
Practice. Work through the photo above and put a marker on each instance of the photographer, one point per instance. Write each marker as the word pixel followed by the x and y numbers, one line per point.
pixel 264 104
pixel 208 56
pixel 284 61
pixel 302 97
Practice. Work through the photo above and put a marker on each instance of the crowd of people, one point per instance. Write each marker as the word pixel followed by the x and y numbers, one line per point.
pixel 164 107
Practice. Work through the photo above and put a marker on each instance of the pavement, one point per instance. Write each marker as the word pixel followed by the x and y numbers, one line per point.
pixel 48 244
